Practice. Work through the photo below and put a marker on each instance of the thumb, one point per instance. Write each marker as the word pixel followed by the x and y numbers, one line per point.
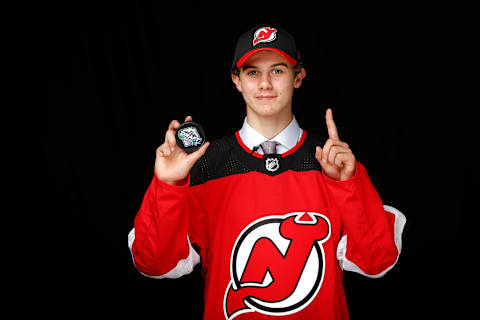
pixel 194 156
pixel 318 155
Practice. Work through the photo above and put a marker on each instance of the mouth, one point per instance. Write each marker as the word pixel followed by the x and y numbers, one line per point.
pixel 266 98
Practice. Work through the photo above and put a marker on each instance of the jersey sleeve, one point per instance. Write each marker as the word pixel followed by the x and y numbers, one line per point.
pixel 371 232
pixel 160 243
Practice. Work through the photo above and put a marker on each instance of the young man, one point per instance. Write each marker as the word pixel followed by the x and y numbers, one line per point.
pixel 277 213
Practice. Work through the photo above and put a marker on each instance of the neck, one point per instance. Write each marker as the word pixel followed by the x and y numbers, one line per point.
pixel 269 127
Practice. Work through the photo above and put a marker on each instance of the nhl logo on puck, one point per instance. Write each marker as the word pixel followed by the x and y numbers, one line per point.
pixel 272 164
pixel 190 136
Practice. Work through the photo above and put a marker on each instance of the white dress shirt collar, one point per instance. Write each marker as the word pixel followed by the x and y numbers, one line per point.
pixel 287 138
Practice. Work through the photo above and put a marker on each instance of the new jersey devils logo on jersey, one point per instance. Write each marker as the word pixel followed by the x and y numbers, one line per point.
pixel 277 264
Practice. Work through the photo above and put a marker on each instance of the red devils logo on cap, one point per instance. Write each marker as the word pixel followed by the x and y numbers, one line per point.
pixel 265 34
pixel 277 265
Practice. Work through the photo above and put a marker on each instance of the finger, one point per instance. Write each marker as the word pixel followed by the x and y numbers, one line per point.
pixel 334 150
pixel 331 154
pixel 188 118
pixel 326 167
pixel 326 149
pixel 318 153
pixel 173 125
pixel 332 128
pixel 194 156
pixel 331 143
pixel 318 156
pixel 170 139
pixel 170 134
pixel 159 152
pixel 163 150
pixel 341 159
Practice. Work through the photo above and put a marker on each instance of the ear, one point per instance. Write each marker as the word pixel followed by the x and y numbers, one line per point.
pixel 236 80
pixel 297 82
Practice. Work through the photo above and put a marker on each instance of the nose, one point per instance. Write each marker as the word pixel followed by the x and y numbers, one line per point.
pixel 265 81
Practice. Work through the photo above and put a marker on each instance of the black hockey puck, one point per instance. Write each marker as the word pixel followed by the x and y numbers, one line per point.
pixel 190 136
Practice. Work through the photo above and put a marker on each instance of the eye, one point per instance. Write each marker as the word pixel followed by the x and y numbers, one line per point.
pixel 277 71
pixel 252 72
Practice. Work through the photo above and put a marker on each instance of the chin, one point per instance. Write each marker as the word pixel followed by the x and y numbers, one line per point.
pixel 267 111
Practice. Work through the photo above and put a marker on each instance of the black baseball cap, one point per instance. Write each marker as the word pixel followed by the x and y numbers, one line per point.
pixel 265 37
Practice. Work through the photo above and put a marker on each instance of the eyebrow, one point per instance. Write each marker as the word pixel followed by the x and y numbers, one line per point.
pixel 273 65
pixel 279 64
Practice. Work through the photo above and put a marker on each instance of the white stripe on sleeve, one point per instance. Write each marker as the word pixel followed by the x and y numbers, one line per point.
pixel 348 265
pixel 183 267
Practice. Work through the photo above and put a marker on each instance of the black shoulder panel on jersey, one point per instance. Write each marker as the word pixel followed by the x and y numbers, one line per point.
pixel 225 157
pixel 305 159
pixel 217 162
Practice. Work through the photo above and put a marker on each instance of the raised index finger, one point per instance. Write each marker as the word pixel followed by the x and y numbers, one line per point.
pixel 332 128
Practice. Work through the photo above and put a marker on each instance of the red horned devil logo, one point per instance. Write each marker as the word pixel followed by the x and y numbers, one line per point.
pixel 277 265
pixel 265 34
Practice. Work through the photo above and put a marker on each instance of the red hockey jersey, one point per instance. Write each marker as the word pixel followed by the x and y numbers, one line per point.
pixel 274 233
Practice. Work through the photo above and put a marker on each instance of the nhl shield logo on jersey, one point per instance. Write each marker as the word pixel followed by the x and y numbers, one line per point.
pixel 265 34
pixel 272 164
pixel 277 265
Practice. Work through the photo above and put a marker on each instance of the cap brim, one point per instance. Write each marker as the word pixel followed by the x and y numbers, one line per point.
pixel 287 57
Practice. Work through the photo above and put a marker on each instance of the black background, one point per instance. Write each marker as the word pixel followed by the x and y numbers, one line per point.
pixel 118 74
